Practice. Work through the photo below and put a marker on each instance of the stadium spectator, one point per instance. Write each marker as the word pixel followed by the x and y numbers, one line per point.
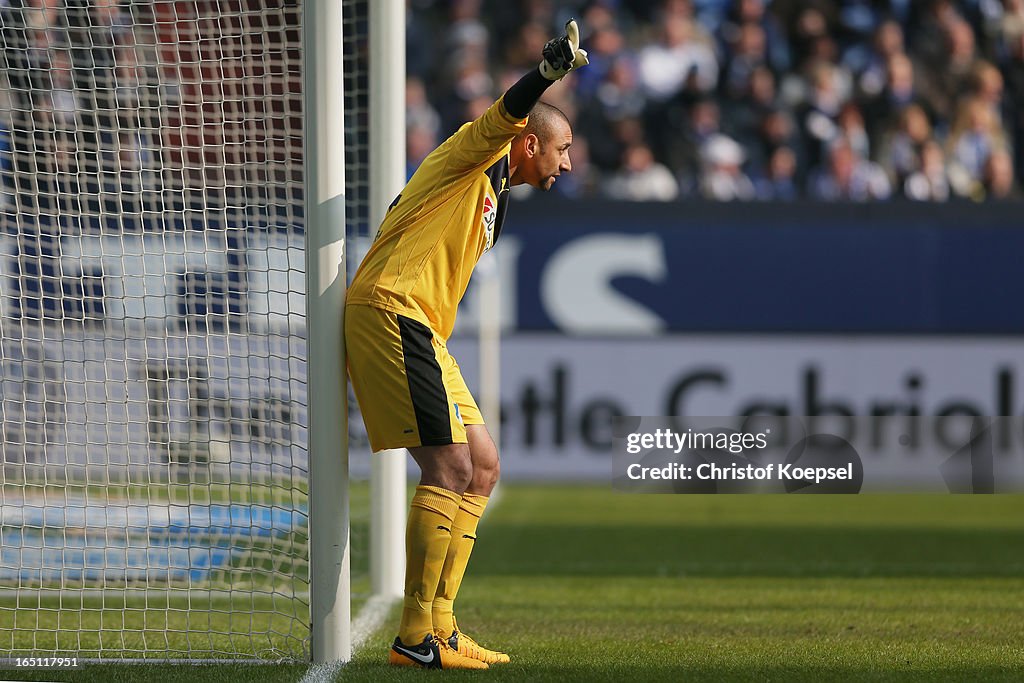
pixel 976 134
pixel 722 178
pixel 987 84
pixel 519 53
pixel 903 88
pixel 929 183
pixel 607 140
pixel 744 13
pixel 759 100
pixel 849 177
pixel 929 23
pixel 953 73
pixel 469 80
pixel 420 60
pixel 607 44
pixel 818 114
pixel 681 60
pixel 808 25
pixel 901 145
pixel 850 129
pixel 641 178
pixel 779 182
pixel 1009 26
pixel 997 180
pixel 748 52
pixel 870 66
pixel 776 130
pixel 419 142
pixel 418 110
pixel 619 95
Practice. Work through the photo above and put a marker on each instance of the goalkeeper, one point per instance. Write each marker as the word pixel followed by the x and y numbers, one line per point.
pixel 399 313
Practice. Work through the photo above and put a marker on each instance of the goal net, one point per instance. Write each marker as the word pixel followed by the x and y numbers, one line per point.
pixel 153 394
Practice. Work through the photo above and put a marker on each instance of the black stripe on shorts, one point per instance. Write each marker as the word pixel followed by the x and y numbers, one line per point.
pixel 426 386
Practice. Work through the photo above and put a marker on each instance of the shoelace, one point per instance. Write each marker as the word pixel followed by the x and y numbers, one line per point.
pixel 442 644
pixel 478 650
pixel 469 642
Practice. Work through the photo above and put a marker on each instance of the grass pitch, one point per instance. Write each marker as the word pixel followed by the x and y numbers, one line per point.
pixel 582 584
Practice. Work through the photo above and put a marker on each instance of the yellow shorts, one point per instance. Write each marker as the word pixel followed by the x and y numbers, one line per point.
pixel 409 388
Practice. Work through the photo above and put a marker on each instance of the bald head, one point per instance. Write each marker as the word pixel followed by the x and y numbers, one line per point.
pixel 545 122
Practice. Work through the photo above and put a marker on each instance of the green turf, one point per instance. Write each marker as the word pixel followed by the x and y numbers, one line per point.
pixel 581 584
pixel 166 673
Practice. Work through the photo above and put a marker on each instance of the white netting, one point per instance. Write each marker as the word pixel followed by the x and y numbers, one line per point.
pixel 153 388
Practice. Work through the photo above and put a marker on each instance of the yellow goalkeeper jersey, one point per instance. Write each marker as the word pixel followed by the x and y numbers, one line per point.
pixel 435 231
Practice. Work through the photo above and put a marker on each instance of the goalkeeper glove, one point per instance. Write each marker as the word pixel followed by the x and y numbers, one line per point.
pixel 563 54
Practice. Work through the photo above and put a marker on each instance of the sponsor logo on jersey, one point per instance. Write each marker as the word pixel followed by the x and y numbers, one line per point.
pixel 490 215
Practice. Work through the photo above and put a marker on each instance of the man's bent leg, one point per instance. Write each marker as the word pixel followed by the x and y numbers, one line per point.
pixel 486 469
pixel 484 456
pixel 446 471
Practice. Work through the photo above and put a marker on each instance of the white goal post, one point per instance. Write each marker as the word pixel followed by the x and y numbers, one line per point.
pixel 330 549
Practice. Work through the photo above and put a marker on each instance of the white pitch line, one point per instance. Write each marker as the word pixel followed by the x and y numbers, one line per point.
pixel 323 673
pixel 370 618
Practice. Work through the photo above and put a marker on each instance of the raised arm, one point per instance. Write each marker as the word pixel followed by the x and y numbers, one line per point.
pixel 478 141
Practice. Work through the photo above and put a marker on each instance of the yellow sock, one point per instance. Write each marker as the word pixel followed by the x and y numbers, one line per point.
pixel 431 516
pixel 471 508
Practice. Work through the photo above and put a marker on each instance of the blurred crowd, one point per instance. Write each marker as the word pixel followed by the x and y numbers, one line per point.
pixel 119 108
pixel 727 100
pixel 101 111
pixel 78 114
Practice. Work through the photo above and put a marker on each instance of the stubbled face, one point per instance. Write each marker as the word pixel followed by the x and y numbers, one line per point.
pixel 551 157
